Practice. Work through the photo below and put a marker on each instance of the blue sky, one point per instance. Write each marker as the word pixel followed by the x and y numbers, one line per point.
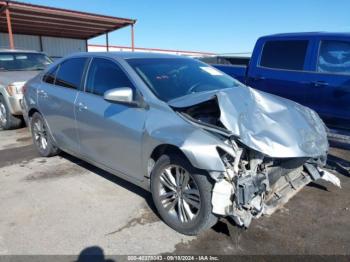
pixel 220 26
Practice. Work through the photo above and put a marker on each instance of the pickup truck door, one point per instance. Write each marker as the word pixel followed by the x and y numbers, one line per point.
pixel 330 80
pixel 110 133
pixel 280 68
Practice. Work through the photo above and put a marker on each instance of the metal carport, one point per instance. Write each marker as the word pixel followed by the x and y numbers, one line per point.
pixel 43 21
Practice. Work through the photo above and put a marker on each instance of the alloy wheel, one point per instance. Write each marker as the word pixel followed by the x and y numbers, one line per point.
pixel 179 194
pixel 3 116
pixel 40 134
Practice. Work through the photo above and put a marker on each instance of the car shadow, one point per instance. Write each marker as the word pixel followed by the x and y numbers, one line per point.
pixel 114 179
pixel 339 165
pixel 318 186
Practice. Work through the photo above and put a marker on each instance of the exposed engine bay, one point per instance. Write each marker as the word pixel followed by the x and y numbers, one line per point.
pixel 254 182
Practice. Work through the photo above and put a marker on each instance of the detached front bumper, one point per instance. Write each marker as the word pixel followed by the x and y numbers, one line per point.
pixel 226 195
pixel 291 185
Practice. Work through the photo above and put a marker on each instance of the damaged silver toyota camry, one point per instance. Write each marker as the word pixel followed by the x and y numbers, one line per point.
pixel 205 145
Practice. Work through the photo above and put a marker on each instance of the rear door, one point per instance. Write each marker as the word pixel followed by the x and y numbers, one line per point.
pixel 110 133
pixel 280 68
pixel 331 81
pixel 56 97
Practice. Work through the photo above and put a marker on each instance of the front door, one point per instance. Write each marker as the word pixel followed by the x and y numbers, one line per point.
pixel 110 133
pixel 281 69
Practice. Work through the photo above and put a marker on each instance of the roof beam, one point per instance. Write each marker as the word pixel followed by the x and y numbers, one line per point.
pixel 34 27
pixel 52 33
pixel 45 22
pixel 63 20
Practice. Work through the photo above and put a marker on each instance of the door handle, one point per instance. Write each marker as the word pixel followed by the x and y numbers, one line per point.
pixel 319 83
pixel 81 106
pixel 258 78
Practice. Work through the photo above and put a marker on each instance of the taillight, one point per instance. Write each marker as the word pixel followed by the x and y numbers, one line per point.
pixel 11 89
pixel 15 88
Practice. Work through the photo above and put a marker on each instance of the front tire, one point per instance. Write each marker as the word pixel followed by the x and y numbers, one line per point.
pixel 182 195
pixel 7 120
pixel 41 137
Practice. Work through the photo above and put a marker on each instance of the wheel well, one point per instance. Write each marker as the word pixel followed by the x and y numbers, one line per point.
pixel 165 149
pixel 31 112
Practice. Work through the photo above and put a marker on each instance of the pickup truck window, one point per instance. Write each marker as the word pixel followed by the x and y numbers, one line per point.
pixel 288 54
pixel 334 57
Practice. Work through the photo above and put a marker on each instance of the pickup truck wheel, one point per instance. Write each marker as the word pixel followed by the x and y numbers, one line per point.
pixel 41 136
pixel 182 195
pixel 7 120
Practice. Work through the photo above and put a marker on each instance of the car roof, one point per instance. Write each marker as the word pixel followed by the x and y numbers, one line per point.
pixel 309 34
pixel 128 55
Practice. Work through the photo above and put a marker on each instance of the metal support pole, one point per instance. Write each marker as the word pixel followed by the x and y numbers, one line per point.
pixel 132 38
pixel 9 28
pixel 41 43
pixel 107 42
pixel 86 46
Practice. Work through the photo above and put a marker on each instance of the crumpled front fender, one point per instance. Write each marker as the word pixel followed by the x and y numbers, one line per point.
pixel 198 145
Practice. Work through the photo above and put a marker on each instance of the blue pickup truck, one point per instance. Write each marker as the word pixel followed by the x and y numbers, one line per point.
pixel 310 68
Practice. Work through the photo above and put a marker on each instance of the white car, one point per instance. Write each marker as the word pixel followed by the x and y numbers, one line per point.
pixel 16 67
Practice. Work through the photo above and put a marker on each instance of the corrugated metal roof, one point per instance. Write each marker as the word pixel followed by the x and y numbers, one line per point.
pixel 48 21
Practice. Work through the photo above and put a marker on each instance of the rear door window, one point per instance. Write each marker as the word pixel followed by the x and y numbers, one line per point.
pixel 105 75
pixel 70 72
pixel 289 55
pixel 334 57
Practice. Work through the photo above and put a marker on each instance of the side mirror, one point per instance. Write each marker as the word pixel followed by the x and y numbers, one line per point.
pixel 122 95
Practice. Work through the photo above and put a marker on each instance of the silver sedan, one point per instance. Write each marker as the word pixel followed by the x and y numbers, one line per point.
pixel 204 144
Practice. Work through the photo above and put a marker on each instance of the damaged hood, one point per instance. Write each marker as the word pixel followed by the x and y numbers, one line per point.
pixel 274 126
pixel 9 77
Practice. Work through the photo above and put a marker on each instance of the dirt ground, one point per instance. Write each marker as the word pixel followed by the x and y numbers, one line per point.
pixel 62 205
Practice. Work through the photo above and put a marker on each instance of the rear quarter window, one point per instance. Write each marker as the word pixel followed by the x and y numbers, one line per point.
pixel 334 57
pixel 49 77
pixel 289 54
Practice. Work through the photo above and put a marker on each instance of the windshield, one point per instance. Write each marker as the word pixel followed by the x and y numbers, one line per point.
pixel 170 78
pixel 23 61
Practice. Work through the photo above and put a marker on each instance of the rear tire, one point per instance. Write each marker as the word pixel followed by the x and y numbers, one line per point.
pixel 191 213
pixel 41 137
pixel 7 120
